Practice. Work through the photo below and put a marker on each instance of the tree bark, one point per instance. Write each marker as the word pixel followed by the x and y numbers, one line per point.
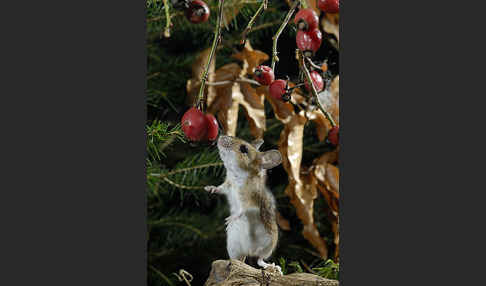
pixel 234 272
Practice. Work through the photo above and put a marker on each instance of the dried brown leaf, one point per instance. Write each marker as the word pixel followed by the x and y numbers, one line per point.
pixel 251 58
pixel 301 191
pixel 329 99
pixel 303 184
pixel 330 24
pixel 254 107
pixel 230 10
pixel 229 97
pixel 282 222
pixel 326 177
pixel 283 110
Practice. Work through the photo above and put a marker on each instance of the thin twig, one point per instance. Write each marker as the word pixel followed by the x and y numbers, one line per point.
pixel 182 276
pixel 279 31
pixel 263 26
pixel 201 100
pixel 225 82
pixel 307 267
pixel 153 75
pixel 247 30
pixel 313 64
pixel 302 66
pixel 161 275
pixel 167 19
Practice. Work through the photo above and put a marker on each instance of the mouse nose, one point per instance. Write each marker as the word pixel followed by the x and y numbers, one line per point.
pixel 224 141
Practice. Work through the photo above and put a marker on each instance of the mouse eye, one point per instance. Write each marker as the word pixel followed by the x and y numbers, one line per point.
pixel 243 149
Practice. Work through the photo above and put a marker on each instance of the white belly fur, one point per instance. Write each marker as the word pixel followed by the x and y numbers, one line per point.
pixel 247 239
pixel 246 236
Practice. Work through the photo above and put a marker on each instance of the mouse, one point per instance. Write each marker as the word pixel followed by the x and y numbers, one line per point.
pixel 251 228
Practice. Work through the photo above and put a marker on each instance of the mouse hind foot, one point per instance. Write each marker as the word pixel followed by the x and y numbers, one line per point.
pixel 265 265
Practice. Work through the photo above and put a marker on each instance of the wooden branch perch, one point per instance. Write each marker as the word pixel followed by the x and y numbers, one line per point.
pixel 235 272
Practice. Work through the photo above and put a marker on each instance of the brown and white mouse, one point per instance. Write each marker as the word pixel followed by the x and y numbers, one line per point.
pixel 252 227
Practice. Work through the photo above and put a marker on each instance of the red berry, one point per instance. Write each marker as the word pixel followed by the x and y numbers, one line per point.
pixel 316 80
pixel 333 135
pixel 264 75
pixel 316 37
pixel 212 127
pixel 197 12
pixel 303 41
pixel 194 124
pixel 306 19
pixel 309 42
pixel 278 88
pixel 329 6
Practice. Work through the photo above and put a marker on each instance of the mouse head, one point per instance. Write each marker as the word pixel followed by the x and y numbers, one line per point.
pixel 239 154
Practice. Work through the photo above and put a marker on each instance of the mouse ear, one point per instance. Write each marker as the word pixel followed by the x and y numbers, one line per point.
pixel 271 159
pixel 257 143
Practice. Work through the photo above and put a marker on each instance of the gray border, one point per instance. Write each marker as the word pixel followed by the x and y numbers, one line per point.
pixel 72 197
pixel 408 192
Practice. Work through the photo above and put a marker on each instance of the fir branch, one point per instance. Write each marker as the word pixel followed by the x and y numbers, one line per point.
pixel 187 169
pixel 190 174
pixel 182 186
pixel 279 31
pixel 180 224
pixel 159 136
pixel 164 176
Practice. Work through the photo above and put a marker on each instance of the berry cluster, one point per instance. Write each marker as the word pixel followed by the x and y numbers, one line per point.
pixel 278 89
pixel 309 37
pixel 199 126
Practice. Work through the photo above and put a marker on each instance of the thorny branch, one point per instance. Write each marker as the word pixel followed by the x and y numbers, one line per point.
pixel 247 30
pixel 241 79
pixel 201 100
pixel 280 30
pixel 301 59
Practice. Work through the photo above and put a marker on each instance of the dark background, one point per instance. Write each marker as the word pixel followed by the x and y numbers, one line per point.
pixel 72 201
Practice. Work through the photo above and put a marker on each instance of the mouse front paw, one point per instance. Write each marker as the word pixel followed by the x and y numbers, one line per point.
pixel 212 189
